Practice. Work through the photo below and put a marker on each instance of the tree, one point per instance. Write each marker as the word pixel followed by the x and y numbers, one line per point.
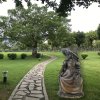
pixel 32 26
pixel 98 32
pixel 26 26
pixel 89 38
pixel 80 38
pixel 63 8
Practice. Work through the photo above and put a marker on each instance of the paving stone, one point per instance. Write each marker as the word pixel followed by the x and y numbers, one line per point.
pixel 37 95
pixel 39 81
pixel 35 78
pixel 22 89
pixel 31 98
pixel 38 88
pixel 21 93
pixel 31 87
pixel 36 92
pixel 23 86
pixel 24 83
pixel 27 80
pixel 39 84
pixel 27 91
pixel 40 78
pixel 32 84
pixel 18 97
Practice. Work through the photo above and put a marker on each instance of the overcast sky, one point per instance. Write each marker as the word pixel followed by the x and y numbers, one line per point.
pixel 81 19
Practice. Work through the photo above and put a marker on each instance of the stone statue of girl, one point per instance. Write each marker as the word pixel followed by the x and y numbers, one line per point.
pixel 70 80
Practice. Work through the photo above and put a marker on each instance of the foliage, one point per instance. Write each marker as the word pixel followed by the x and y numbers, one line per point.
pixel 38 55
pixel 99 53
pixel 63 8
pixel 89 38
pixel 96 43
pixel 80 38
pixel 23 56
pixel 12 56
pixel 30 27
pixel 84 56
pixel 98 32
pixel 1 56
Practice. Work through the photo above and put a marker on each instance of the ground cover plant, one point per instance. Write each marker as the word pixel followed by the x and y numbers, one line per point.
pixel 90 69
pixel 16 70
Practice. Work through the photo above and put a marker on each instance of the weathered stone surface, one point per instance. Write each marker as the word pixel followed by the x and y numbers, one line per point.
pixel 27 80
pixel 26 91
pixel 38 84
pixel 37 95
pixel 38 88
pixel 39 81
pixel 32 84
pixel 70 80
pixel 22 89
pixel 31 87
pixel 36 92
pixel 23 86
pixel 35 78
pixel 21 93
pixel 31 98
pixel 24 83
pixel 18 97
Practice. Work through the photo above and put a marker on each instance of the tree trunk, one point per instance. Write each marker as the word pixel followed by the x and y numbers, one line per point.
pixel 34 49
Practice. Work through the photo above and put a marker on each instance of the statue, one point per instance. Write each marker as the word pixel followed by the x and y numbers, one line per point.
pixel 70 80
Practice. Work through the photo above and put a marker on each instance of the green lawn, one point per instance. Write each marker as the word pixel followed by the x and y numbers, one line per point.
pixel 16 70
pixel 90 68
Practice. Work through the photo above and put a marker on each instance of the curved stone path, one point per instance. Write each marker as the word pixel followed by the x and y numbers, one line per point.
pixel 32 86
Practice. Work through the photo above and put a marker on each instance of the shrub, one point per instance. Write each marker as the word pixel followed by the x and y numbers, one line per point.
pixel 38 55
pixel 99 53
pixel 1 56
pixel 23 56
pixel 84 56
pixel 12 56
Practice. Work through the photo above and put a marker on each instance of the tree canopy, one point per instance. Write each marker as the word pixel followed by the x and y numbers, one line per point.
pixel 98 32
pixel 33 26
pixel 63 8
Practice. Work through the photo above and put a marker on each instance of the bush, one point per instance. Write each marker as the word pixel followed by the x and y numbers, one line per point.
pixel 1 56
pixel 99 53
pixel 84 56
pixel 23 56
pixel 12 56
pixel 38 55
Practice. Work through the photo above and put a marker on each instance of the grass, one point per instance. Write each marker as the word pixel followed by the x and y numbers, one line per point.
pixel 90 69
pixel 16 70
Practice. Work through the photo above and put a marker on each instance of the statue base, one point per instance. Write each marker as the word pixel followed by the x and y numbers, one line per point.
pixel 70 95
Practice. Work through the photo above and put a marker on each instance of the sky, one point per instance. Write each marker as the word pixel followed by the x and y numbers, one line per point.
pixel 81 19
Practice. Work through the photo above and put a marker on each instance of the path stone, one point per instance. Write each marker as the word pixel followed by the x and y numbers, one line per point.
pixel 17 97
pixel 36 92
pixel 21 93
pixel 22 89
pixel 32 86
pixel 30 98
pixel 38 88
pixel 37 95
pixel 23 86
